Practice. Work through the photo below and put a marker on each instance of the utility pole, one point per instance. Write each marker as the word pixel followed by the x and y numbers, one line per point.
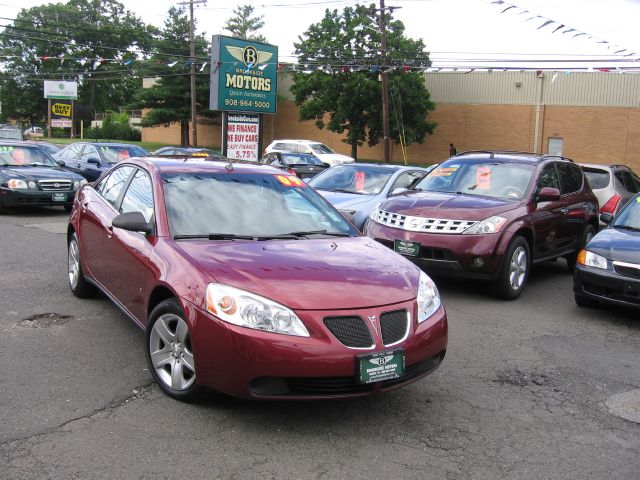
pixel 386 135
pixel 192 59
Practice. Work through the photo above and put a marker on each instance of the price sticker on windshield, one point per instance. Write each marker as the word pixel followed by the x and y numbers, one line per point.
pixel 290 181
pixel 483 178
pixel 359 178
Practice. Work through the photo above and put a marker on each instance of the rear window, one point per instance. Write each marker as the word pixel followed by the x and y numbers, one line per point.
pixel 321 148
pixel 597 178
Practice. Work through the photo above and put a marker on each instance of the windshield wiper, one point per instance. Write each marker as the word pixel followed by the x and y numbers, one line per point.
pixel 344 190
pixel 216 236
pixel 626 227
pixel 318 232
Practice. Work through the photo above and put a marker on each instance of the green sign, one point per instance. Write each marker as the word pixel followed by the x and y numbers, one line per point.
pixel 244 75
pixel 380 366
pixel 410 249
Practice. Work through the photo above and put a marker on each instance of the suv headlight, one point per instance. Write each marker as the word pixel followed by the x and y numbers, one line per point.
pixel 428 297
pixel 375 213
pixel 247 309
pixel 590 259
pixel 488 225
pixel 15 184
pixel 78 183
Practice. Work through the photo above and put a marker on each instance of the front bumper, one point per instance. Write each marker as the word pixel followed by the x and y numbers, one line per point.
pixel 447 254
pixel 25 198
pixel 249 363
pixel 606 286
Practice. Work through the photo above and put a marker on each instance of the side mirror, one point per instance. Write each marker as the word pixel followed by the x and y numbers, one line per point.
pixel 548 194
pixel 606 218
pixel 399 190
pixel 94 161
pixel 349 216
pixel 61 163
pixel 133 222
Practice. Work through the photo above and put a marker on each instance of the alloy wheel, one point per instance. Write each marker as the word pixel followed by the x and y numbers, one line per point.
pixel 170 352
pixel 74 263
pixel 518 268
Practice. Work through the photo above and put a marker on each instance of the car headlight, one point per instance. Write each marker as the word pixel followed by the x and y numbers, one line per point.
pixel 488 225
pixel 428 297
pixel 16 184
pixel 375 213
pixel 247 309
pixel 590 259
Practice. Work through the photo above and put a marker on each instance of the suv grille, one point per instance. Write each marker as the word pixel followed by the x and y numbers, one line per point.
pixel 53 185
pixel 420 224
pixel 350 331
pixel 394 326
pixel 629 269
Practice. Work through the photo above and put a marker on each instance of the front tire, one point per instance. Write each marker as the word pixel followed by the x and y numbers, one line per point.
pixel 515 269
pixel 78 284
pixel 587 235
pixel 169 352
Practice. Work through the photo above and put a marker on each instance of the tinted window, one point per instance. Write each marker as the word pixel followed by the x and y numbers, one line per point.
pixel 628 182
pixel 634 182
pixel 570 177
pixel 74 151
pixel 300 159
pixel 629 216
pixel 321 148
pixel 139 196
pixel 597 178
pixel 360 179
pixel 548 177
pixel 89 152
pixel 406 179
pixel 113 154
pixel 111 186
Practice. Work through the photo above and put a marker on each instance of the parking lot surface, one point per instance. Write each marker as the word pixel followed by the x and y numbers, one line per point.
pixel 534 388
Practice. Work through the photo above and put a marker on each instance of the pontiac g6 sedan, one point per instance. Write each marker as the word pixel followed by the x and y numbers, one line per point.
pixel 247 281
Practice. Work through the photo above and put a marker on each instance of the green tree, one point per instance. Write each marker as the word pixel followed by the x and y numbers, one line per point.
pixel 338 86
pixel 243 24
pixel 63 41
pixel 169 98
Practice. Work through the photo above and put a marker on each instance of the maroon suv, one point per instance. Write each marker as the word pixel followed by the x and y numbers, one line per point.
pixel 489 215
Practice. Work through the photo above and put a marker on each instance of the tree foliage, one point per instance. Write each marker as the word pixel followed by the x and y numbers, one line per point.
pixel 78 33
pixel 170 97
pixel 243 24
pixel 341 60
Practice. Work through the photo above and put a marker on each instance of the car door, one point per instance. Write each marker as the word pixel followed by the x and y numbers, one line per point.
pixel 547 217
pixel 90 163
pixel 574 206
pixel 72 157
pixel 98 209
pixel 128 272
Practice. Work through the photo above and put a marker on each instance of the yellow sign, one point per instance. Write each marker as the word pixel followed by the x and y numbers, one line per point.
pixel 61 109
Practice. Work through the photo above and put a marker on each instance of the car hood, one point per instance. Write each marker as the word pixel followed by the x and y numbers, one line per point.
pixel 447 205
pixel 342 200
pixel 614 244
pixel 37 173
pixel 334 158
pixel 318 274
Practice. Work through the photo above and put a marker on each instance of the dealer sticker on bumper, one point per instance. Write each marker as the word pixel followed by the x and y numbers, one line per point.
pixel 59 197
pixel 380 366
pixel 403 247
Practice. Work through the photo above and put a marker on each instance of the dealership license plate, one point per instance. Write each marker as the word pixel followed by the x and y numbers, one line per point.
pixel 379 366
pixel 59 197
pixel 410 249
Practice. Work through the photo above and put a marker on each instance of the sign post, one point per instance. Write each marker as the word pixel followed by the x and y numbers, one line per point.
pixel 60 113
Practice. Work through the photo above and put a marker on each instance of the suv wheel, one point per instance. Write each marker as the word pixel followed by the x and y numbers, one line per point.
pixel 587 235
pixel 515 269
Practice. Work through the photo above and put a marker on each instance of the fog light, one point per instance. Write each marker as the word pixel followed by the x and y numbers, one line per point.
pixel 478 262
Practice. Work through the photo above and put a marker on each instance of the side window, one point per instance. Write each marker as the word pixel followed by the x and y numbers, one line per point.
pixel 74 152
pixel 634 183
pixel 406 179
pixel 290 147
pixel 269 157
pixel 139 196
pixel 628 181
pixel 548 177
pixel 111 186
pixel 570 177
pixel 89 152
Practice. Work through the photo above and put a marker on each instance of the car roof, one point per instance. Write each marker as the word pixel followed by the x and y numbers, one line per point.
pixel 605 167
pixel 106 144
pixel 510 156
pixel 203 164
pixel 296 141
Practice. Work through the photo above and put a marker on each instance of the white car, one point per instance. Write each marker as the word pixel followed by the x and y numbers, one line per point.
pixel 320 150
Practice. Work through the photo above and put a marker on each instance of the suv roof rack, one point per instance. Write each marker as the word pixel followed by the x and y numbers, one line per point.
pixel 491 153
pixel 544 157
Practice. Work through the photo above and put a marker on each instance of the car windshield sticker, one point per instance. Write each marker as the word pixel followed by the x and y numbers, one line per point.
pixel 359 181
pixel 5 148
pixel 483 178
pixel 637 199
pixel 444 171
pixel 290 181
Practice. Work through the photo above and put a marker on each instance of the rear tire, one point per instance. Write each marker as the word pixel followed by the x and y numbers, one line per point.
pixel 586 302
pixel 515 270
pixel 78 284
pixel 587 235
pixel 3 209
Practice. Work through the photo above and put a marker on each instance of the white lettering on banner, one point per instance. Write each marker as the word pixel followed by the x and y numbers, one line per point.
pixel 243 136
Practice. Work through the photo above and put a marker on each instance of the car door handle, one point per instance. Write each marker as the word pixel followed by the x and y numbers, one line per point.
pixel 109 231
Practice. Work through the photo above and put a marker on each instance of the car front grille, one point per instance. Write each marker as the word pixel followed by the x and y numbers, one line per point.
pixel 427 253
pixel 55 185
pixel 394 326
pixel 628 269
pixel 420 224
pixel 350 331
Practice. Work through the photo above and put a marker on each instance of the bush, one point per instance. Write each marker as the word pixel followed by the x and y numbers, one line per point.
pixel 115 127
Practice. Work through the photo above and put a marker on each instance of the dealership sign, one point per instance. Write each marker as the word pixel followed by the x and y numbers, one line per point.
pixel 244 75
pixel 242 140
pixel 61 89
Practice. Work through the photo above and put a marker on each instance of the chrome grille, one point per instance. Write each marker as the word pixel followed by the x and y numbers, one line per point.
pixel 54 185
pixel 420 224
pixel 629 269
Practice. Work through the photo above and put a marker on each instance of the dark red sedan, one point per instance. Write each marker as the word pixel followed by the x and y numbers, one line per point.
pixel 247 281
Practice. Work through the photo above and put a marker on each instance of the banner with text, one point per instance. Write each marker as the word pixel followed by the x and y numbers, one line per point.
pixel 242 136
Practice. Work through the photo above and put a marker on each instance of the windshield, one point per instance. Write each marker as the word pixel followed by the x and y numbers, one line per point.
pixel 247 204
pixel 597 178
pixel 358 179
pixel 113 154
pixel 629 216
pixel 300 159
pixel 13 155
pixel 321 148
pixel 507 181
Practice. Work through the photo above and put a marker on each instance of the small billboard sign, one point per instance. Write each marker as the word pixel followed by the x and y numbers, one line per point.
pixel 61 89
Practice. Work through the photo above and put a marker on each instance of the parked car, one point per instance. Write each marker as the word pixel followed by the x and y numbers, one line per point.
pixel 263 291
pixel 320 150
pixel 30 177
pixel 50 148
pixel 33 132
pixel 10 132
pixel 91 159
pixel 608 269
pixel 303 165
pixel 357 189
pixel 614 185
pixel 190 151
pixel 490 215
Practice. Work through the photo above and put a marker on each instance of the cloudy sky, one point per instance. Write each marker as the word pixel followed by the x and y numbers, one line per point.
pixel 456 32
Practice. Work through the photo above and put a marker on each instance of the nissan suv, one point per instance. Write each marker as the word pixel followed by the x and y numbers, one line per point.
pixel 489 215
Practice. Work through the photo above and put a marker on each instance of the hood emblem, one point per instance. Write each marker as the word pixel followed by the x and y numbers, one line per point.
pixel 56 185
pixel 372 319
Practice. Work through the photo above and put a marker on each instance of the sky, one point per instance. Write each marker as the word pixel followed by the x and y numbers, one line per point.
pixel 457 33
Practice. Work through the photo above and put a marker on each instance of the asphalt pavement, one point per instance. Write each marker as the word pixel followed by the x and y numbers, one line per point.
pixel 535 388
